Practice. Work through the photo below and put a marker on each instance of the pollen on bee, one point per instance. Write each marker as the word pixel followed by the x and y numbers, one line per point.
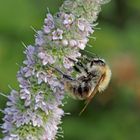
pixel 106 79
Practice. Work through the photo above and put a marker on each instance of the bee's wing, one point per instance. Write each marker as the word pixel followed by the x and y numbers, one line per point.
pixel 95 90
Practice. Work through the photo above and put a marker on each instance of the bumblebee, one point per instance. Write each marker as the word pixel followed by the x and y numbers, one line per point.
pixel 93 76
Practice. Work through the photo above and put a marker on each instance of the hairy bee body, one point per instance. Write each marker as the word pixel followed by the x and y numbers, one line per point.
pixel 93 76
pixel 95 73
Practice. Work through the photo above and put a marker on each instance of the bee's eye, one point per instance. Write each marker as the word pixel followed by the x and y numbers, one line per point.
pixel 97 62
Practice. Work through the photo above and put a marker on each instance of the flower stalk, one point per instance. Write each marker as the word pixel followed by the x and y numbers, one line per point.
pixel 34 112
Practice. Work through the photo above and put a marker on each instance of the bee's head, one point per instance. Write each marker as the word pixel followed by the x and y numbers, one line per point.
pixel 98 62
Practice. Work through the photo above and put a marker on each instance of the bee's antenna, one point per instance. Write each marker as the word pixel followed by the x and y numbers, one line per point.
pixel 79 64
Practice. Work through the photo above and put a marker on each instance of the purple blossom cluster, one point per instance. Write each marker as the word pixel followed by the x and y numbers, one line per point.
pixel 49 23
pixel 36 106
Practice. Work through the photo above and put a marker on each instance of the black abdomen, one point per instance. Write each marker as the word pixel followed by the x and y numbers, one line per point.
pixel 82 91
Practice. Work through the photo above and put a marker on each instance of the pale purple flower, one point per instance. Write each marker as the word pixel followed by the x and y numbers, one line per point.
pixel 23 83
pixel 72 43
pixel 81 25
pixel 68 19
pixel 40 103
pixel 12 137
pixel 21 118
pixel 28 71
pixel 37 120
pixel 13 98
pixel 10 118
pixel 85 27
pixel 82 43
pixel 10 110
pixel 42 77
pixel 51 127
pixel 55 84
pixel 39 97
pixel 57 34
pixel 26 95
pixel 39 38
pixel 7 126
pixel 30 51
pixel 49 23
pixel 74 55
pixel 46 58
pixel 67 63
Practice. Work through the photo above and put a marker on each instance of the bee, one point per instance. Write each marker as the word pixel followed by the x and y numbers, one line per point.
pixel 93 76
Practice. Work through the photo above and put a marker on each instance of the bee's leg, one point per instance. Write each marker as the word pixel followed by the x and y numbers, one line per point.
pixel 84 58
pixel 69 77
pixel 83 66
pixel 77 68
pixel 79 65
pixel 62 73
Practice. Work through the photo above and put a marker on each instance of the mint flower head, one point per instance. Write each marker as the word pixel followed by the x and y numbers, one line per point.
pixel 34 112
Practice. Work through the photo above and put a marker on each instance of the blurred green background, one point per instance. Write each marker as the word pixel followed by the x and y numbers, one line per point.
pixel 113 115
